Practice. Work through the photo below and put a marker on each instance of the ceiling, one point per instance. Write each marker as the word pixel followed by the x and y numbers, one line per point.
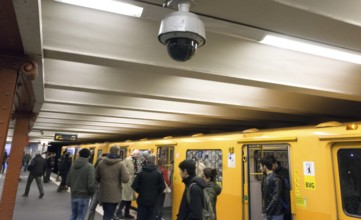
pixel 105 76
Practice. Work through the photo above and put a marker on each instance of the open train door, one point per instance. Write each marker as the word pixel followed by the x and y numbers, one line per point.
pixel 165 153
pixel 346 165
pixel 252 199
pixel 252 176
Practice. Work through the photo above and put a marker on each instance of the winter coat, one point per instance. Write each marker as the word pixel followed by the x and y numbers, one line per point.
pixel 26 158
pixel 64 165
pixel 193 210
pixel 111 173
pixel 37 166
pixel 128 192
pixel 271 195
pixel 81 179
pixel 213 190
pixel 149 184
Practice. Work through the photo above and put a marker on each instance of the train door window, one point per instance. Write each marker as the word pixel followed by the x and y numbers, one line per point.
pixel 100 152
pixel 123 152
pixel 91 158
pixel 76 153
pixel 349 163
pixel 207 158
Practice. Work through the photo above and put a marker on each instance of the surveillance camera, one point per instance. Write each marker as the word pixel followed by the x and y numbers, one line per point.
pixel 182 32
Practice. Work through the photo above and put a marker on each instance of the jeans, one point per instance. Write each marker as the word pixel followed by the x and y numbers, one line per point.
pixel 109 209
pixel 31 177
pixel 79 207
pixel 274 217
pixel 93 205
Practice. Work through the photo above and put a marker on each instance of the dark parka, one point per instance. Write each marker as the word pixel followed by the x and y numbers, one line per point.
pixel 81 179
pixel 213 190
pixel 272 193
pixel 110 173
pixel 193 210
pixel 149 184
pixel 37 166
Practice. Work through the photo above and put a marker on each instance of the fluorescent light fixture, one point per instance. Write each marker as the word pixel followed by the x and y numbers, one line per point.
pixel 108 5
pixel 312 48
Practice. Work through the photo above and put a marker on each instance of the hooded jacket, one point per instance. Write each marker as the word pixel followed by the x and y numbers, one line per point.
pixel 81 179
pixel 193 210
pixel 213 190
pixel 149 184
pixel 110 173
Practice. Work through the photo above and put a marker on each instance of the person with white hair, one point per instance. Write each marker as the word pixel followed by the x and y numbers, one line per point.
pixel 37 168
pixel 128 194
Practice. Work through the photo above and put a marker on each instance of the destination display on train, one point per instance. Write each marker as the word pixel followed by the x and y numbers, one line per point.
pixel 65 137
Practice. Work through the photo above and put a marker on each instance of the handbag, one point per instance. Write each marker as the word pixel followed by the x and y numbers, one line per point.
pixel 167 188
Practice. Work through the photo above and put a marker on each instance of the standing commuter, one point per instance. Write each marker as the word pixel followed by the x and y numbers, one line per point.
pixel 111 173
pixel 5 158
pixel 50 162
pixel 131 165
pixel 271 192
pixel 64 168
pixel 95 199
pixel 149 184
pixel 212 188
pixel 26 161
pixel 191 210
pixel 81 180
pixel 283 173
pixel 37 168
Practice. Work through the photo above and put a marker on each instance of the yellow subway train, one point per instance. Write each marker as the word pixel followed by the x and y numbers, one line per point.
pixel 323 163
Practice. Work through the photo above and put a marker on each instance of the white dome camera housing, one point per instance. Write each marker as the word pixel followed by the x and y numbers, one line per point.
pixel 182 32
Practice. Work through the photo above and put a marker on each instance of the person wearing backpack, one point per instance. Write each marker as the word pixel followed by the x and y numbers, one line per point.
pixel 212 188
pixel 192 209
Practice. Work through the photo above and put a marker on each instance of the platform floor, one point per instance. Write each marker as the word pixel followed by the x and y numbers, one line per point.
pixel 54 205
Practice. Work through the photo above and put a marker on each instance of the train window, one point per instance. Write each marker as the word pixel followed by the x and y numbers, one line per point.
pixel 123 152
pixel 208 158
pixel 100 151
pixel 349 162
pixel 278 151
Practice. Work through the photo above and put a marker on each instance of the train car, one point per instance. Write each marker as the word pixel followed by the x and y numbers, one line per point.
pixel 322 163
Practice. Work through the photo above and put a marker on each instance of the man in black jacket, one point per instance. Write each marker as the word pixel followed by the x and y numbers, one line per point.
pixel 283 173
pixel 191 209
pixel 37 168
pixel 271 192
pixel 149 184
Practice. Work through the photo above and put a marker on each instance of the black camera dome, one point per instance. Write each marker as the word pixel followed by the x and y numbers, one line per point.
pixel 181 49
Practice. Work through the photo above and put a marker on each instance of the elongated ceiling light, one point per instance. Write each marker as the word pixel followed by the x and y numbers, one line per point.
pixel 310 48
pixel 108 5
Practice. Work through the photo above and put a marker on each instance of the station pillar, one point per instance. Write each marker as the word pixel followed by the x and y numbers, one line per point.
pixel 8 79
pixel 20 140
